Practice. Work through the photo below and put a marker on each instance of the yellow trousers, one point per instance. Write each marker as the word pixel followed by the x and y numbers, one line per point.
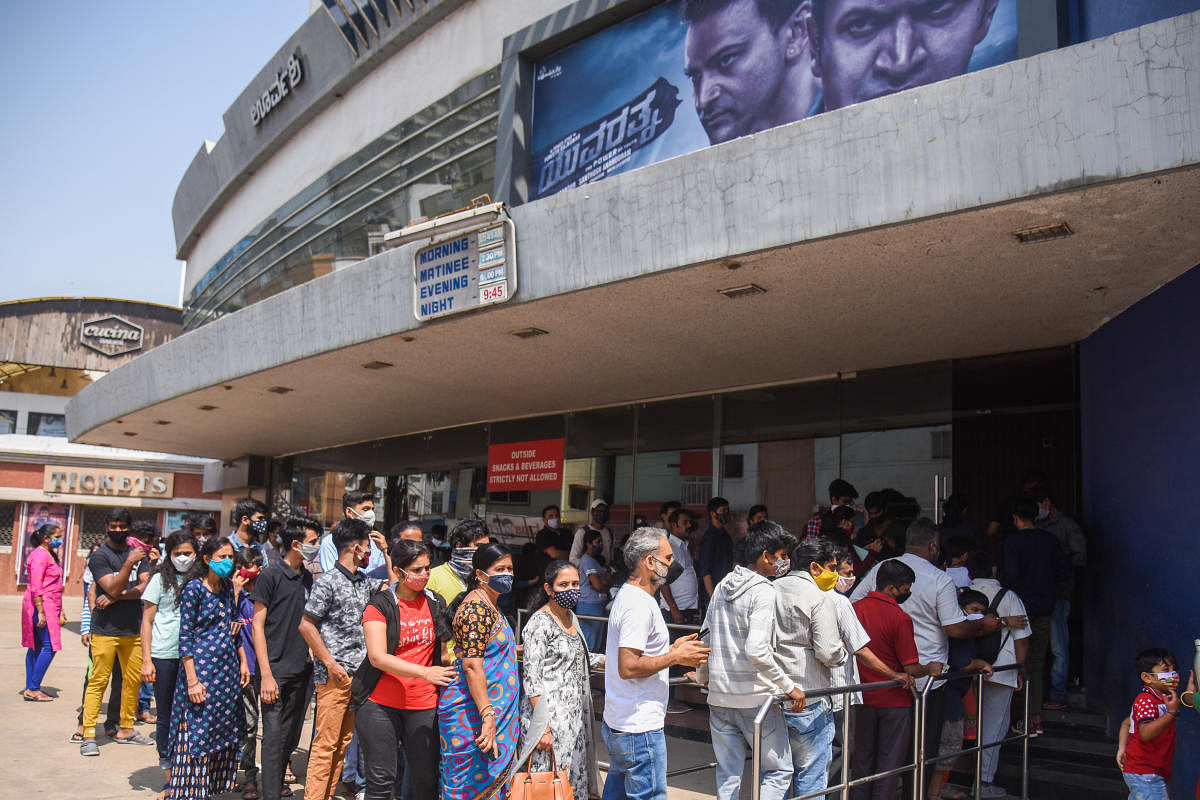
pixel 106 650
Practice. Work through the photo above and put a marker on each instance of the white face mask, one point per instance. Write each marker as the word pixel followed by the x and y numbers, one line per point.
pixel 367 516
pixel 182 563
pixel 552 522
pixel 309 551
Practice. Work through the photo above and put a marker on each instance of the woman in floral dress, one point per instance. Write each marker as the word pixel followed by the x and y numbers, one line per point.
pixel 557 671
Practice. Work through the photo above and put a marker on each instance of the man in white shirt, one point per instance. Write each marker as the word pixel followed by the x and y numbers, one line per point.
pixel 638 653
pixel 1014 649
pixel 682 598
pixel 936 616
pixel 598 522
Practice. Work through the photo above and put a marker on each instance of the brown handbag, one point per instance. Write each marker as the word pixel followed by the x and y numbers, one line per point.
pixel 552 785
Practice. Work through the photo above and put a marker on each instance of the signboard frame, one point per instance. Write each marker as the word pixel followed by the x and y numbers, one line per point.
pixel 477 270
pixel 21 540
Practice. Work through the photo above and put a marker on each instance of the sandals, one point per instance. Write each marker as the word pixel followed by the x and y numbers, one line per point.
pixel 76 738
pixel 249 791
pixel 36 696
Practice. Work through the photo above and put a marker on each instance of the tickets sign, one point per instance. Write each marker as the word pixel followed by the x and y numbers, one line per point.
pixel 525 466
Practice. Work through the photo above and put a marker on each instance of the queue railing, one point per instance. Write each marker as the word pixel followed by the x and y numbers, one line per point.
pixel 921 759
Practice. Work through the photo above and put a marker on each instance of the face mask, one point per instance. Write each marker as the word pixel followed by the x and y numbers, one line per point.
pixel 669 575
pixel 460 560
pixel 552 522
pixel 182 563
pixel 438 543
pixel 119 537
pixel 367 516
pixel 309 551
pixel 724 518
pixel 502 583
pixel 56 542
pixel 826 579
pixel 415 582
pixel 259 526
pixel 247 574
pixel 973 617
pixel 900 598
pixel 364 558
pixel 782 567
pixel 862 553
pixel 600 516
pixel 845 583
pixel 567 598
pixel 1043 513
pixel 1169 679
pixel 221 567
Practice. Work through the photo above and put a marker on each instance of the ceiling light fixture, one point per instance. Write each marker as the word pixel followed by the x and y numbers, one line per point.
pixel 162 422
pixel 745 290
pixel 1044 233
pixel 130 433
pixel 529 333
pixel 207 408
pixel 377 365
pixel 280 389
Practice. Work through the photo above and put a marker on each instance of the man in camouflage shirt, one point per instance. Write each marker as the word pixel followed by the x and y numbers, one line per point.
pixel 332 626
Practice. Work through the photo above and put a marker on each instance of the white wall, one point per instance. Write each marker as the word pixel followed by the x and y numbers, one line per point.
pixel 466 44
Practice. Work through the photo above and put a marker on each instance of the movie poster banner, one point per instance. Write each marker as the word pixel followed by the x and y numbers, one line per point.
pixel 35 516
pixel 684 75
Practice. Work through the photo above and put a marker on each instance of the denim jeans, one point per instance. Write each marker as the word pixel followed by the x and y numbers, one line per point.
pixel 145 696
pixel 1060 649
pixel 166 672
pixel 37 659
pixel 593 632
pixel 637 765
pixel 733 735
pixel 810 734
pixel 1146 787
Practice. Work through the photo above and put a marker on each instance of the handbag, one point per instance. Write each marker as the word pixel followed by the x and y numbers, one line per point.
pixel 552 785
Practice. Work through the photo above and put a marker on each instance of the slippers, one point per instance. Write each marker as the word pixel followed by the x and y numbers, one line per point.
pixel 37 697
pixel 76 738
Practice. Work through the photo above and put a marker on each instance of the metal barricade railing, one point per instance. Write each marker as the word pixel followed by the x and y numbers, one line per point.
pixel 921 759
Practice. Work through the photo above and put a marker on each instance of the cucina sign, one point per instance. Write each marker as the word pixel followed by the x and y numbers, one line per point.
pixel 110 483
pixel 112 335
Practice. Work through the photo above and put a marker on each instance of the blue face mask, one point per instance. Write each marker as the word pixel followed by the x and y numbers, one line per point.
pixel 502 583
pixel 221 567
pixel 56 542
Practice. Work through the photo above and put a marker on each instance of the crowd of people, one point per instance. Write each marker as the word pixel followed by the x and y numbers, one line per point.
pixel 407 642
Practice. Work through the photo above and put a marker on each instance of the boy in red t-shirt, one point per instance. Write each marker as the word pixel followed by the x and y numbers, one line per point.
pixel 883 723
pixel 1147 743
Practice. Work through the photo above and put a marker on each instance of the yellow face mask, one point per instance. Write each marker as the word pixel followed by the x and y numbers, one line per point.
pixel 826 579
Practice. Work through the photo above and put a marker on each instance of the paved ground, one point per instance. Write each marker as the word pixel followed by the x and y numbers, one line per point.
pixel 40 762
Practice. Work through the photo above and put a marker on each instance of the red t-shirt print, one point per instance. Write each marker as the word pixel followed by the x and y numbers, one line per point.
pixel 417 644
pixel 1153 757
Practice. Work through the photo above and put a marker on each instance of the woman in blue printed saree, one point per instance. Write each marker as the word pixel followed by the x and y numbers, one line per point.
pixel 479 714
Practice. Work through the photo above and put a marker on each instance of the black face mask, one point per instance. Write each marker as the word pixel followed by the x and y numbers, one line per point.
pixel 599 517
pixel 900 598
pixel 674 571
pixel 119 537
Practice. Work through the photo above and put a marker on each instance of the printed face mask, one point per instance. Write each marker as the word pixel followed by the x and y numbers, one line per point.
pixel 415 582
pixel 1169 679
pixel 782 567
pixel 567 598
pixel 460 560
pixel 845 583
pixel 259 526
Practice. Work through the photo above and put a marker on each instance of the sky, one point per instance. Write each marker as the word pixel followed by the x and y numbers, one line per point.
pixel 104 106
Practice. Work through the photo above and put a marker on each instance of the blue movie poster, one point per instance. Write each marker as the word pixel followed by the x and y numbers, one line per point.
pixel 690 73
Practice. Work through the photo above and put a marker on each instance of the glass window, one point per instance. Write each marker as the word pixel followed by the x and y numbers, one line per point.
pixel 8 521
pixel 93 523
pixel 46 425
pixel 8 421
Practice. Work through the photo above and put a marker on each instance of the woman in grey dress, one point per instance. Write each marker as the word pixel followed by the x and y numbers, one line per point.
pixel 556 671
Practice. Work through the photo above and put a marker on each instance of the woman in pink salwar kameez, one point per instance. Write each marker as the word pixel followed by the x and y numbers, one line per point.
pixel 41 610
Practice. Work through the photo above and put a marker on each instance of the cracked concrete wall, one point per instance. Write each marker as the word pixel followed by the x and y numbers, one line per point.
pixel 1108 109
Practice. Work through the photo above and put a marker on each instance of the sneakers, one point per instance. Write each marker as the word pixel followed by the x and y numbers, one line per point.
pixel 1018 728
pixel 992 790
pixel 136 738
pixel 89 748
pixel 1054 705
pixel 1038 731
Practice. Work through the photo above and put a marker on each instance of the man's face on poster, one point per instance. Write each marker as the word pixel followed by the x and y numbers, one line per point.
pixel 865 49
pixel 735 63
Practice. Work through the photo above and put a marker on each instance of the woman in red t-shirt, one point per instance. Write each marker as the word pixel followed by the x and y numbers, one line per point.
pixel 403 678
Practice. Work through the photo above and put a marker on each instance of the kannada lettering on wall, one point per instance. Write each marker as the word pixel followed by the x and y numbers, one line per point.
pixel 526 466
pixel 285 81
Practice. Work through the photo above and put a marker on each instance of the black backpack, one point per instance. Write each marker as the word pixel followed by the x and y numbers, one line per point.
pixel 367 676
pixel 988 647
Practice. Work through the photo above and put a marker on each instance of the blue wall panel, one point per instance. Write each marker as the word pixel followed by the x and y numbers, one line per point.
pixel 1106 17
pixel 1140 416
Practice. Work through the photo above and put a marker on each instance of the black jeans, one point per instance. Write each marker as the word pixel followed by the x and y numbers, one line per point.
pixel 281 724
pixel 166 673
pixel 882 742
pixel 379 730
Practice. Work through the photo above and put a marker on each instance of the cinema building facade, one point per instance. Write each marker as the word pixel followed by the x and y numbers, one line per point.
pixel 683 295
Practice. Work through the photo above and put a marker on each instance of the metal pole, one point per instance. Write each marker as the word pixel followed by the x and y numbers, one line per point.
pixel 919 769
pixel 979 739
pixel 756 789
pixel 845 746
pixel 1025 747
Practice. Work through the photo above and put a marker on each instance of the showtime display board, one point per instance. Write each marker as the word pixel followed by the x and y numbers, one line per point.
pixel 682 76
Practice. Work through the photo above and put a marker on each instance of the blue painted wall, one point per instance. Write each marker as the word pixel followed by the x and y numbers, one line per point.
pixel 1140 418
pixel 1105 17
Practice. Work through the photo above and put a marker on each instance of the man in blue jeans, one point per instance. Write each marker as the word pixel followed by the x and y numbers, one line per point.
pixel 638 653
pixel 809 646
